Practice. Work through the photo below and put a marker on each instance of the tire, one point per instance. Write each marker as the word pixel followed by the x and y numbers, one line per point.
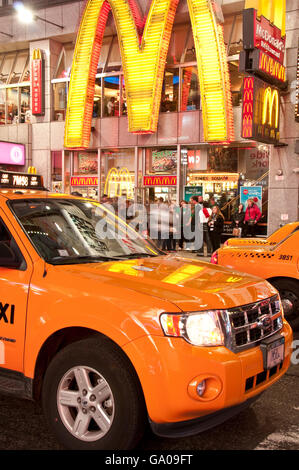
pixel 92 399
pixel 289 294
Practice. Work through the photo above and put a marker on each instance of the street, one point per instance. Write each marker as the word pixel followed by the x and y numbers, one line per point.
pixel 271 423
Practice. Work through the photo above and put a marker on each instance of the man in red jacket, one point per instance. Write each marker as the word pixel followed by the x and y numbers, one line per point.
pixel 252 216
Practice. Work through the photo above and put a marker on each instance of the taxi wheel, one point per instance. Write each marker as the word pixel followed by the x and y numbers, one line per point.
pixel 92 398
pixel 289 294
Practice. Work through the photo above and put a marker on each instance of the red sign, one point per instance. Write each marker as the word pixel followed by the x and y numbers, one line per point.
pixel 84 181
pixel 37 92
pixel 271 67
pixel 159 180
pixel 261 34
pixel 193 157
pixel 261 110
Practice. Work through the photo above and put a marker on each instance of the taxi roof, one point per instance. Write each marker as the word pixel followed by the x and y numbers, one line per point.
pixel 29 193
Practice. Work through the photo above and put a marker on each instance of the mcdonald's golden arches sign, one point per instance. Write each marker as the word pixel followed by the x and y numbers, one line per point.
pixel 261 109
pixel 144 45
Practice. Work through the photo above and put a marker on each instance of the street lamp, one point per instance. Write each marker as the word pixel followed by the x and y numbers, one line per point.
pixel 27 16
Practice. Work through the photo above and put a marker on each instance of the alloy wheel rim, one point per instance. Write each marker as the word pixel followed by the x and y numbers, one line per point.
pixel 85 403
pixel 290 304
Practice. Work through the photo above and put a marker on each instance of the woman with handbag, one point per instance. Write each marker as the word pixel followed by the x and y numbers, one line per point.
pixel 238 221
pixel 252 216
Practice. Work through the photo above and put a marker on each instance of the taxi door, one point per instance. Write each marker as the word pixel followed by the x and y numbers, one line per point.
pixel 15 274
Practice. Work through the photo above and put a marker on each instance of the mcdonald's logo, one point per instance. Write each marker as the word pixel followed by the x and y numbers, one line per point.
pixel 271 108
pixel 272 67
pixel 84 181
pixel 32 170
pixel 119 183
pixel 143 48
pixel 160 180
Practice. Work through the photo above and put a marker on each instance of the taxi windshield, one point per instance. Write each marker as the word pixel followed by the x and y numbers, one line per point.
pixel 68 231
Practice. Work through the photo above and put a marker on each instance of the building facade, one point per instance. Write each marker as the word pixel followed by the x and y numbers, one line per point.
pixel 174 162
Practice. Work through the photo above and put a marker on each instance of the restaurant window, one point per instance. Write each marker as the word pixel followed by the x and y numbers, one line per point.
pixel 12 102
pixel 56 171
pixel 25 104
pixel 61 81
pixel 190 96
pixel 111 96
pixel 85 163
pixel 60 100
pixel 236 79
pixel 2 106
pixel 123 103
pixel 118 173
pixel 97 99
pixel 158 163
pixel 170 91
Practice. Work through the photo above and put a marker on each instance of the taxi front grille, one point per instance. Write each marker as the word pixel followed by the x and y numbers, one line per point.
pixel 247 325
pixel 262 377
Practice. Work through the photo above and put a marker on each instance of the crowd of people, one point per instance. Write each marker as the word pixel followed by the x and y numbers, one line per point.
pixel 167 223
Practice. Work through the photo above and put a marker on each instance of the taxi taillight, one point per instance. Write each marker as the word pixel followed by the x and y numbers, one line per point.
pixel 214 257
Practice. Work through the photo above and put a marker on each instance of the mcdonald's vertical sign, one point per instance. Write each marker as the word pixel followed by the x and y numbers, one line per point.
pixel 260 112
pixel 264 40
pixel 38 89
pixel 144 44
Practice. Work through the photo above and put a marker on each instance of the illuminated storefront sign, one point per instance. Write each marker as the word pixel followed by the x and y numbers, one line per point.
pixel 264 66
pixel 159 180
pixel 264 40
pixel 143 47
pixel 37 90
pixel 261 108
pixel 215 177
pixel 12 154
pixel 84 181
pixel 119 183
pixel 264 27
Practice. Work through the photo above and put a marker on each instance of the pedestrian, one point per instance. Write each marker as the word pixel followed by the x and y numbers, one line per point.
pixel 204 216
pixel 238 221
pixel 215 227
pixel 182 217
pixel 252 216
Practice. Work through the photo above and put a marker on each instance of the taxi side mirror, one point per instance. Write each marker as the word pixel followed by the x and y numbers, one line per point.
pixel 8 258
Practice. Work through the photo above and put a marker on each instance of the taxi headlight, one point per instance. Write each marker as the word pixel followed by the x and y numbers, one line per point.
pixel 199 329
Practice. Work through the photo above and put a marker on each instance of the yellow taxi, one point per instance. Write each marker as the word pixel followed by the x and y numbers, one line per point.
pixel 273 239
pixel 111 334
pixel 277 261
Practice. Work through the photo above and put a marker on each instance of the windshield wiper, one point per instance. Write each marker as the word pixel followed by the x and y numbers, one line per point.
pixel 78 259
pixel 138 255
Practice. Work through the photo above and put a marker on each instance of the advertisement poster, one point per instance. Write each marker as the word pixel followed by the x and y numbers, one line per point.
pixel 88 163
pixel 192 191
pixel 251 192
pixel 164 161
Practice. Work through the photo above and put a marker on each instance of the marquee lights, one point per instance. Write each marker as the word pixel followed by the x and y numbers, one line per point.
pixel 144 51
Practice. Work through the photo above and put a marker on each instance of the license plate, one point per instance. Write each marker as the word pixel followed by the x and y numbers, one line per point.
pixel 273 353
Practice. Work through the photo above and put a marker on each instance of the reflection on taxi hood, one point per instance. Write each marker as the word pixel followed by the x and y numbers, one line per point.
pixel 190 284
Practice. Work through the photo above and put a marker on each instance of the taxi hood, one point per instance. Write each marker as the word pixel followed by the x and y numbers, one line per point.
pixel 189 284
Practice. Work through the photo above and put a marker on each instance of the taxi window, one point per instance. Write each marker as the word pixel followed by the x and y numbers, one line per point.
pixel 10 254
pixel 66 231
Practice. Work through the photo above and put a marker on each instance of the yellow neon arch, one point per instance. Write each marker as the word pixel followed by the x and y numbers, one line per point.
pixel 119 182
pixel 270 102
pixel 143 62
